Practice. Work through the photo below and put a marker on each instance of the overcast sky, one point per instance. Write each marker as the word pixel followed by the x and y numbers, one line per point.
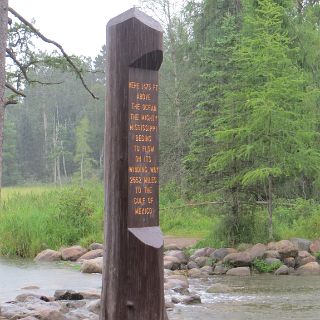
pixel 79 25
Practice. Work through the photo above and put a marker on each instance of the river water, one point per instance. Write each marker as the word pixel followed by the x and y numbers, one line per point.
pixel 257 297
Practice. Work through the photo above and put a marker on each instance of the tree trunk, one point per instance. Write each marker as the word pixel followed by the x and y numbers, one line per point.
pixel 270 209
pixel 81 170
pixel 3 45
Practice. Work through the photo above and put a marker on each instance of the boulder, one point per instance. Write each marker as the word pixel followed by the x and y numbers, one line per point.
pixel 289 262
pixel 95 246
pixel 91 255
pixel 240 272
pixel 315 246
pixel 219 254
pixel 48 314
pixel 67 295
pixel 207 269
pixel 303 258
pixel 283 270
pixel 239 259
pixel 92 266
pixel 73 253
pixel 311 268
pixel 94 306
pixel 171 263
pixel 196 273
pixel 201 261
pixel 179 254
pixel 176 282
pixel 193 299
pixel 272 260
pixel 285 248
pixel 219 288
pixel 301 244
pixel 257 251
pixel 48 255
pixel 93 294
pixel 191 265
pixel 204 252
pixel 271 254
pixel 220 269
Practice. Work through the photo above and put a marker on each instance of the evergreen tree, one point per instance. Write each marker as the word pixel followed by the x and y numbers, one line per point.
pixel 266 128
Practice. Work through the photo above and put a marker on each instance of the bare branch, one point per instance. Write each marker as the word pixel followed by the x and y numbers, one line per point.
pixel 14 90
pixel 8 102
pixel 45 39
pixel 23 69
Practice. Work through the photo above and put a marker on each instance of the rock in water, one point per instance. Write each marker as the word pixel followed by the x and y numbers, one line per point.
pixel 48 255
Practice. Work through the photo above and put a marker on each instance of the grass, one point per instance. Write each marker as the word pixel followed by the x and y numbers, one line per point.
pixel 35 218
pixel 40 217
pixel 49 218
pixel 10 192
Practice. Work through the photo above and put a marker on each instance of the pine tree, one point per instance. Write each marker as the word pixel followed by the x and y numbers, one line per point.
pixel 266 127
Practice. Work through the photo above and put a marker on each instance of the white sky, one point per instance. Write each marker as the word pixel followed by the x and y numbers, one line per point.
pixel 78 25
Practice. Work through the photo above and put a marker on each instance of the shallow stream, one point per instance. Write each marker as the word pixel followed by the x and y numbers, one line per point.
pixel 258 297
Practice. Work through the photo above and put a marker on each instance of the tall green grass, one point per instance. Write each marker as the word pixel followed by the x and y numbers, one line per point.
pixel 32 222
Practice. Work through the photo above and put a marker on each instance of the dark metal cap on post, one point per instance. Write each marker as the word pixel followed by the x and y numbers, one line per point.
pixel 133 260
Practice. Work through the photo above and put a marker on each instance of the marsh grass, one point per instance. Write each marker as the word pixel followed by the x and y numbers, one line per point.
pixel 34 221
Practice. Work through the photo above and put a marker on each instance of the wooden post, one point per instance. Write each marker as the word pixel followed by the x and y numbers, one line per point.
pixel 133 260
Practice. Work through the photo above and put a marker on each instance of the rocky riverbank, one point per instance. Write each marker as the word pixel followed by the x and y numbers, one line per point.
pixel 182 267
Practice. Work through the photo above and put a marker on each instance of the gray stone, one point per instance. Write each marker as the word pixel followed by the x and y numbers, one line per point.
pixel 171 262
pixel 91 255
pixel 48 255
pixel 73 253
pixel 257 251
pixel 283 270
pixel 191 265
pixel 196 273
pixel 193 299
pixel 272 260
pixel 219 254
pixel 220 269
pixel 239 259
pixel 303 258
pixel 271 254
pixel 179 254
pixel 201 261
pixel 219 288
pixel 204 252
pixel 301 244
pixel 94 306
pixel 315 246
pixel 67 295
pixel 289 262
pixel 311 268
pixel 92 266
pixel 95 246
pixel 285 248
pixel 240 272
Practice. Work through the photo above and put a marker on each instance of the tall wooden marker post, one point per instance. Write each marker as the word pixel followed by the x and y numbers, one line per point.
pixel 133 264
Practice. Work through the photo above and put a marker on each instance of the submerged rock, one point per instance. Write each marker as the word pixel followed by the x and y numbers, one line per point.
pixel 219 288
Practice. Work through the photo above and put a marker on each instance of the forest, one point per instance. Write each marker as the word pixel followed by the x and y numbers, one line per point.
pixel 239 119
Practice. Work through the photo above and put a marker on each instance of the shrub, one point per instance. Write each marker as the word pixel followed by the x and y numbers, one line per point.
pixel 264 267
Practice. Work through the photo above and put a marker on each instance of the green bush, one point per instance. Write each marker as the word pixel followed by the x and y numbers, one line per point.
pixel 264 267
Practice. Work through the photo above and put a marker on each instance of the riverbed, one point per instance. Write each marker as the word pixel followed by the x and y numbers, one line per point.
pixel 257 297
